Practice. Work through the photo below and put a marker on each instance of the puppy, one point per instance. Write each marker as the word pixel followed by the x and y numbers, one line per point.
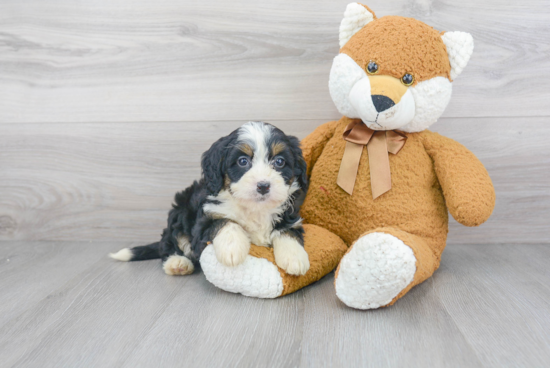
pixel 253 183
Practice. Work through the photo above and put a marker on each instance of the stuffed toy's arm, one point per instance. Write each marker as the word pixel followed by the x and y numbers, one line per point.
pixel 314 143
pixel 466 185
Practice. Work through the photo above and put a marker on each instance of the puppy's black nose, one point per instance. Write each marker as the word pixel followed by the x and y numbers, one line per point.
pixel 263 187
pixel 382 103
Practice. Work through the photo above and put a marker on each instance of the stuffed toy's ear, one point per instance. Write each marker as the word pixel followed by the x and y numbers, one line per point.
pixel 356 17
pixel 460 46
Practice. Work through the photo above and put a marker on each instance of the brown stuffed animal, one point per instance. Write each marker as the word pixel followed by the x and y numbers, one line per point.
pixel 379 180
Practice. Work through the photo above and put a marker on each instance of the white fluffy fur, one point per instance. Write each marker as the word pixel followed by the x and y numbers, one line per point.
pixel 123 255
pixel 374 271
pixel 178 265
pixel 242 203
pixel 460 46
pixel 245 190
pixel 256 218
pixel 419 108
pixel 255 277
pixel 256 134
pixel 356 17
pixel 431 99
pixel 344 74
pixel 290 255
pixel 231 244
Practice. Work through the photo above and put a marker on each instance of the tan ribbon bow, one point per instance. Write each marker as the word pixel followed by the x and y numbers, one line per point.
pixel 378 143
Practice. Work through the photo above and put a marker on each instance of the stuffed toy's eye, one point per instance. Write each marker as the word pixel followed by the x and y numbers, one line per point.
pixel 407 79
pixel 279 162
pixel 372 68
pixel 243 161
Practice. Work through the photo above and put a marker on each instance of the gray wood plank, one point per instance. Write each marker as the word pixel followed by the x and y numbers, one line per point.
pixel 96 318
pixel 416 332
pixel 128 61
pixel 486 306
pixel 499 298
pixel 46 263
pixel 206 327
pixel 117 180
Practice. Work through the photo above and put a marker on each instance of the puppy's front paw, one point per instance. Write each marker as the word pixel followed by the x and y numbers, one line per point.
pixel 231 245
pixel 290 255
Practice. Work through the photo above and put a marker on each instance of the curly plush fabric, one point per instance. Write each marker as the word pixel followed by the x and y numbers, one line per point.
pixel 355 18
pixel 460 46
pixel 399 46
pixel 428 166
pixel 430 175
pixel 259 275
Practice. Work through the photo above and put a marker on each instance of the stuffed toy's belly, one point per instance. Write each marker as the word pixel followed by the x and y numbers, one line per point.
pixel 414 204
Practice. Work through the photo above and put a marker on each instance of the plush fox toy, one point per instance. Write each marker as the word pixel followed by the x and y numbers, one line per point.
pixel 379 180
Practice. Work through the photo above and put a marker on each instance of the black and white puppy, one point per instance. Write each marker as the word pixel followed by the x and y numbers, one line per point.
pixel 253 183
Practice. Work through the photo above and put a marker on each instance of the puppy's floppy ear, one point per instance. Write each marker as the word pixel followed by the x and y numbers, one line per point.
pixel 300 166
pixel 213 164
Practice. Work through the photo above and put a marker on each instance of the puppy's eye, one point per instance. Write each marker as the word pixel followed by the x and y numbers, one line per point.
pixel 372 67
pixel 407 79
pixel 279 162
pixel 243 161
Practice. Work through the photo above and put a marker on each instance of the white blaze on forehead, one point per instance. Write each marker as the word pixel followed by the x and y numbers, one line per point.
pixel 256 134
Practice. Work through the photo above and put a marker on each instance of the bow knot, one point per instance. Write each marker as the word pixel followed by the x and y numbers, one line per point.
pixel 357 134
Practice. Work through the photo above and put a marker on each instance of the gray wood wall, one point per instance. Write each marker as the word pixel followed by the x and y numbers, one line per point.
pixel 106 105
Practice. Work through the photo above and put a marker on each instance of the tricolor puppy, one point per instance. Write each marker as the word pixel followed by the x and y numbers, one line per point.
pixel 253 184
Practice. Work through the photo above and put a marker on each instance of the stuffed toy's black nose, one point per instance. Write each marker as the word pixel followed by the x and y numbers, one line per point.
pixel 382 103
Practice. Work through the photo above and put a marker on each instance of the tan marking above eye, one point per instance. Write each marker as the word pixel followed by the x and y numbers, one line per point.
pixel 246 149
pixel 277 148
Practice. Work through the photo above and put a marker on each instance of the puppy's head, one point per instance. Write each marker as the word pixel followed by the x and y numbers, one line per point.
pixel 257 164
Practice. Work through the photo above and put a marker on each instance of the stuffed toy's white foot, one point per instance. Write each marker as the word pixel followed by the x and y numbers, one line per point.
pixel 256 277
pixel 374 271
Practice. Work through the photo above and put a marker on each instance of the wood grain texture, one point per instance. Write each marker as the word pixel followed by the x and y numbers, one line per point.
pixel 169 60
pixel 505 291
pixel 117 180
pixel 486 306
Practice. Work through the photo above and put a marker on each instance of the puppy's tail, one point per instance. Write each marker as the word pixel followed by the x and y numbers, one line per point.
pixel 141 253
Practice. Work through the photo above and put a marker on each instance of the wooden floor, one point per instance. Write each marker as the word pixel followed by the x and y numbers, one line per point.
pixel 65 304
pixel 105 109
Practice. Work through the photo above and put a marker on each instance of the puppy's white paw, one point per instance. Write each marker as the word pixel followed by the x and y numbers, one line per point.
pixel 178 265
pixel 290 255
pixel 231 245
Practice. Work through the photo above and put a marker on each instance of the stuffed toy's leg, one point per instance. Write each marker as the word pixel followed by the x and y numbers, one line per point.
pixel 382 266
pixel 258 276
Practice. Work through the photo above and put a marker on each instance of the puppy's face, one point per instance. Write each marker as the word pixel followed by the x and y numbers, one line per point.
pixel 258 164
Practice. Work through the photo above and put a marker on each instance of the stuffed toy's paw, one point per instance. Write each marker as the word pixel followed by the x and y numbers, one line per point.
pixel 382 266
pixel 374 271
pixel 259 276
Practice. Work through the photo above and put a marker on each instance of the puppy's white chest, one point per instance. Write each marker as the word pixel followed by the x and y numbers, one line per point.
pixel 256 220
pixel 258 225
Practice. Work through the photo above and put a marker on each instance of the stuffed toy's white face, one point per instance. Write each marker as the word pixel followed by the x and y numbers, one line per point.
pixel 380 100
